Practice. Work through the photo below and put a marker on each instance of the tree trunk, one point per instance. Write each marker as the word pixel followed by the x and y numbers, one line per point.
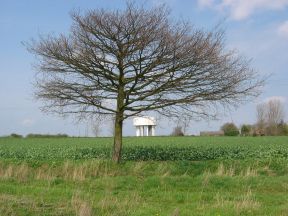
pixel 117 138
pixel 116 157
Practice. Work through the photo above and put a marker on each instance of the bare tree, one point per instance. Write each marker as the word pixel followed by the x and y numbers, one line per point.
pixel 143 61
pixel 275 112
pixel 96 126
pixel 261 110
pixel 111 126
pixel 177 131
pixel 270 114
pixel 183 122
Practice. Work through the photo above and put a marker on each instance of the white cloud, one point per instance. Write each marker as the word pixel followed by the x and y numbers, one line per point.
pixel 242 9
pixel 283 29
pixel 27 122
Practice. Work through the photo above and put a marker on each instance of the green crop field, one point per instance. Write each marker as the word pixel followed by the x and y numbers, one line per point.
pixel 147 148
pixel 158 176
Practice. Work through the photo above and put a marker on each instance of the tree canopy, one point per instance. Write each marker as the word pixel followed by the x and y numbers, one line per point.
pixel 126 62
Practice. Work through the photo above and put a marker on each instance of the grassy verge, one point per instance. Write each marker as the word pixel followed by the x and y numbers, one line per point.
pixel 99 187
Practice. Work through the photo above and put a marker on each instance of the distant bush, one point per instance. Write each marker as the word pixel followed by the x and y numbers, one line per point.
pixel 14 135
pixel 46 135
pixel 246 130
pixel 280 129
pixel 230 129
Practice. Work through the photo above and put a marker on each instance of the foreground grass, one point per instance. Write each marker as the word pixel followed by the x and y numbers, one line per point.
pixel 99 187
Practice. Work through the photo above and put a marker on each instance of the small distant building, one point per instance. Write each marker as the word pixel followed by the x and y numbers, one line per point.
pixel 212 133
pixel 145 126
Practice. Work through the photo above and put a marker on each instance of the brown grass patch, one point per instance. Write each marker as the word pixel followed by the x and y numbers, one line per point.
pixel 124 206
pixel 19 172
pixel 80 206
pixel 249 172
pixel 246 202
pixel 222 171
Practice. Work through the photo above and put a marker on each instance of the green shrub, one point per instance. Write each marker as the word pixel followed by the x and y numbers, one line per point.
pixel 246 130
pixel 282 129
pixel 46 135
pixel 230 129
pixel 14 135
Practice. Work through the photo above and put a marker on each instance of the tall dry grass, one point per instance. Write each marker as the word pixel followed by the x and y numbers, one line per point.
pixel 81 206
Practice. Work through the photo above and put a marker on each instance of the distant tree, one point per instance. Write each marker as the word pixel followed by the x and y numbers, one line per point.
pixel 230 129
pixel 96 127
pixel 46 136
pixel 111 126
pixel 261 110
pixel 184 122
pixel 275 111
pixel 177 131
pixel 14 135
pixel 143 61
pixel 282 128
pixel 270 117
pixel 246 130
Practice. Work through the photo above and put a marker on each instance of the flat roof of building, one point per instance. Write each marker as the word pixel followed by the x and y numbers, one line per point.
pixel 144 121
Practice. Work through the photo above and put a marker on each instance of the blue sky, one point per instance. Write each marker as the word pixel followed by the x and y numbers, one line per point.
pixel 258 29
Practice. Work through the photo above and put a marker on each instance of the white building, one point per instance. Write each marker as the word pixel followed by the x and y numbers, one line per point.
pixel 145 126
